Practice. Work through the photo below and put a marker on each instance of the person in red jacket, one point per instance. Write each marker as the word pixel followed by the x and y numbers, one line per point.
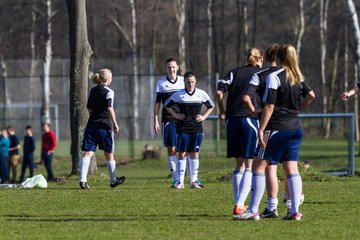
pixel 47 149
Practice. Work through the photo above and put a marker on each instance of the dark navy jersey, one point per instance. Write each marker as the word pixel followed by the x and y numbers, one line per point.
pixel 100 99
pixel 287 100
pixel 257 87
pixel 190 105
pixel 164 89
pixel 236 83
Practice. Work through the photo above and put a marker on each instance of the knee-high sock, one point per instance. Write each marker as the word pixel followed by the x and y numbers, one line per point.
pixel 245 186
pixel 295 189
pixel 194 168
pixel 111 165
pixel 181 169
pixel 236 179
pixel 257 191
pixel 272 203
pixel 172 164
pixel 84 168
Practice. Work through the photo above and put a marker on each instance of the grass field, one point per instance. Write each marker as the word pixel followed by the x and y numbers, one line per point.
pixel 145 208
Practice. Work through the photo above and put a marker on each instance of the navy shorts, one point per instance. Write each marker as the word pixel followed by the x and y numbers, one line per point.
pixel 281 146
pixel 189 142
pixel 169 134
pixel 98 137
pixel 241 134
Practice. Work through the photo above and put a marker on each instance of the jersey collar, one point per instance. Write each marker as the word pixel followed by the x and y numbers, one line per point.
pixel 190 93
pixel 167 78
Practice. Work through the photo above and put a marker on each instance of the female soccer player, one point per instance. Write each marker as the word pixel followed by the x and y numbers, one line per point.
pixel 165 87
pixel 280 132
pixel 241 125
pixel 189 102
pixel 100 128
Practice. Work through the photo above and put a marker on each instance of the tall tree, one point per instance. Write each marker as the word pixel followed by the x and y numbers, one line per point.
pixel 80 54
pixel 301 26
pixel 33 56
pixel 180 13
pixel 209 44
pixel 45 78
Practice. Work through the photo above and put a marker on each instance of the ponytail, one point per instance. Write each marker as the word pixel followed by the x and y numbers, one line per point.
pixel 101 76
pixel 96 78
pixel 288 58
pixel 253 56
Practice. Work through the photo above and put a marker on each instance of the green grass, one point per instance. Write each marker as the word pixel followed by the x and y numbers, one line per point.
pixel 145 208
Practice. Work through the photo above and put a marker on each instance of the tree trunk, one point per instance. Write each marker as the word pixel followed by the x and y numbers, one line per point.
pixel 239 51
pixel 301 27
pixel 45 78
pixel 253 42
pixel 246 26
pixel 80 54
pixel 33 58
pixel 209 45
pixel 3 90
pixel 356 36
pixel 323 30
pixel 180 12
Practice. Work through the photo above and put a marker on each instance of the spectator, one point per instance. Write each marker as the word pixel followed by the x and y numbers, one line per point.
pixel 4 153
pixel 28 153
pixel 47 149
pixel 13 158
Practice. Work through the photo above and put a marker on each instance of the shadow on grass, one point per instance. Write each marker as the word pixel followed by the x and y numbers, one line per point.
pixel 111 218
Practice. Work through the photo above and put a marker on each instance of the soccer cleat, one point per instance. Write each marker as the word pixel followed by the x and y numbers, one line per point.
pixel 195 185
pixel 199 183
pixel 237 211
pixel 174 184
pixel 179 185
pixel 84 185
pixel 119 180
pixel 269 214
pixel 293 216
pixel 247 215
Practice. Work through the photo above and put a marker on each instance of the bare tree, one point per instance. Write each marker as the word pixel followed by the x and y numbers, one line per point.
pixel 245 25
pixel 301 26
pixel 5 97
pixel 80 54
pixel 209 44
pixel 33 56
pixel 45 78
pixel 180 13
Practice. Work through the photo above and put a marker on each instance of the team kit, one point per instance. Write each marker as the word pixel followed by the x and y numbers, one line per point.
pixel 263 129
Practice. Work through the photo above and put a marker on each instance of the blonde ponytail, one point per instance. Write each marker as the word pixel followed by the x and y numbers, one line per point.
pixel 101 76
pixel 288 58
pixel 253 56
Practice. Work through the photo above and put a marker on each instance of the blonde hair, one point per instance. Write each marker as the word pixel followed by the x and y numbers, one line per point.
pixel 101 76
pixel 254 55
pixel 288 58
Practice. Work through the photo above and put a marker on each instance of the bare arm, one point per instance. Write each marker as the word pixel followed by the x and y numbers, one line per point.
pixel 219 98
pixel 265 118
pixel 156 117
pixel 307 100
pixel 200 118
pixel 345 95
pixel 113 119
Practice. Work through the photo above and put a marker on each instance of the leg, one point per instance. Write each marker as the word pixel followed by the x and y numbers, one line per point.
pixel 295 184
pixel 31 164
pixel 15 160
pixel 111 165
pixel 272 188
pixel 258 185
pixel 47 159
pixel 237 176
pixel 245 184
pixel 84 165
pixel 23 168
pixel 181 169
pixel 194 170
pixel 287 193
pixel 172 163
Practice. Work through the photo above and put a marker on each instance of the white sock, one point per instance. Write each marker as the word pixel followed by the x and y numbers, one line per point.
pixel 111 165
pixel 288 204
pixel 187 171
pixel 236 179
pixel 245 186
pixel 295 189
pixel 172 164
pixel 84 168
pixel 181 170
pixel 272 204
pixel 194 168
pixel 257 191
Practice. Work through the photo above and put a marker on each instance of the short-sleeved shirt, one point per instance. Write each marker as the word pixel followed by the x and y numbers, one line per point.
pixel 190 105
pixel 286 98
pixel 14 141
pixel 100 99
pixel 163 90
pixel 236 83
pixel 257 86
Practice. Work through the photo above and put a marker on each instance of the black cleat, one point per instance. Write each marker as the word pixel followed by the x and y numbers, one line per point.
pixel 84 185
pixel 269 214
pixel 119 180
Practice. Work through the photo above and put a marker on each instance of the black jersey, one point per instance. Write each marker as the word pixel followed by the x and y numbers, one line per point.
pixel 164 89
pixel 190 105
pixel 100 98
pixel 286 98
pixel 257 87
pixel 236 83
